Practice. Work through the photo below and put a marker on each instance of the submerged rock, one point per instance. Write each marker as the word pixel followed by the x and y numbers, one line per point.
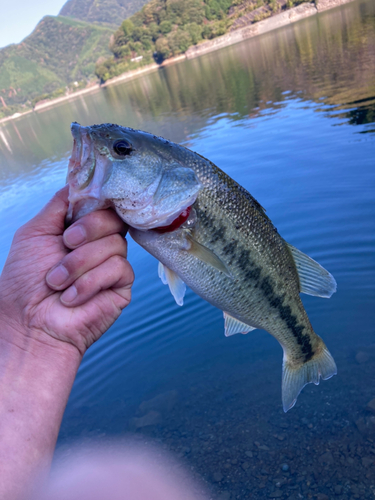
pixel 276 494
pixel 327 458
pixel 218 476
pixel 151 418
pixel 368 461
pixel 225 495
pixel 362 357
pixel 162 402
pixel 371 405
pixel 366 426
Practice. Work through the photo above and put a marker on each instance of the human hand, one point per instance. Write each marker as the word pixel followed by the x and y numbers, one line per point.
pixel 62 297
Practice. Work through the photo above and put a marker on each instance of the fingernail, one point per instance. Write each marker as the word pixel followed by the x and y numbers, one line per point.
pixel 57 276
pixel 69 295
pixel 75 235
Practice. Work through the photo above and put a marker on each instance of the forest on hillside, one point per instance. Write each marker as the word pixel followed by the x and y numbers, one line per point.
pixel 166 28
pixel 66 53
pixel 111 12
pixel 59 53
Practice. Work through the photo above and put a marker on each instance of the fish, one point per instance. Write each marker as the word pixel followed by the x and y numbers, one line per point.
pixel 208 233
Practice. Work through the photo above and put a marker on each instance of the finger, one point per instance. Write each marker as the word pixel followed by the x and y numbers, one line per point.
pixel 115 273
pixel 51 219
pixel 84 258
pixel 92 227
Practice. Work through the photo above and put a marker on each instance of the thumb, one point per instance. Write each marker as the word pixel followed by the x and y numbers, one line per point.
pixel 51 219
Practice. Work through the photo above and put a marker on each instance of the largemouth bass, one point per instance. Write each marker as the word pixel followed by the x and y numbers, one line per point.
pixel 208 233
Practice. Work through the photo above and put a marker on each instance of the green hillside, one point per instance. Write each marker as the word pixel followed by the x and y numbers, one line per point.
pixel 166 28
pixel 104 11
pixel 58 52
pixel 63 54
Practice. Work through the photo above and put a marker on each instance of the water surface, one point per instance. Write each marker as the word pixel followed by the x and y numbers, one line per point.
pixel 291 116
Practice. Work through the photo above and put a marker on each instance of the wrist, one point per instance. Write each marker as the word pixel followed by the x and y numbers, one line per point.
pixel 37 375
pixel 35 342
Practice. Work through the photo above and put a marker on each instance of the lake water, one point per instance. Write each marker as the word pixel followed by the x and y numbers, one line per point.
pixel 291 116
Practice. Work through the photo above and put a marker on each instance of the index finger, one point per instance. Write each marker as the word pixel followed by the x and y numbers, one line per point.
pixel 94 226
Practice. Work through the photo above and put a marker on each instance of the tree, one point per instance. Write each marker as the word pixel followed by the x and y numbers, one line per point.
pixel 162 49
pixel 127 27
pixel 165 27
pixel 195 32
pixel 179 41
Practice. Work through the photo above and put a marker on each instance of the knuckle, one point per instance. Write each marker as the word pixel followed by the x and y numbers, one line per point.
pixel 127 272
pixel 108 221
pixel 119 242
pixel 93 223
pixel 20 234
pixel 86 282
pixel 131 277
pixel 113 239
pixel 118 261
pixel 99 221
pixel 73 262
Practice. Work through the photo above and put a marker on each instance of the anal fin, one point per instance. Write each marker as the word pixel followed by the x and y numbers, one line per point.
pixel 175 283
pixel 233 326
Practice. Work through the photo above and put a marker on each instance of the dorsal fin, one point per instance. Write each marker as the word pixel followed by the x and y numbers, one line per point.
pixel 175 283
pixel 313 278
pixel 233 326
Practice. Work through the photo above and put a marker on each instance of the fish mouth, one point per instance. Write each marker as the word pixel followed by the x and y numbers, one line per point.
pixel 81 153
pixel 80 207
pixel 86 172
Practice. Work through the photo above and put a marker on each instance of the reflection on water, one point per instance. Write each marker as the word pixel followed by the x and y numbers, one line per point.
pixel 290 115
pixel 328 59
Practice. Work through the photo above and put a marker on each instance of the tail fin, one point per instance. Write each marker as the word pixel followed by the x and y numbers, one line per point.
pixel 295 378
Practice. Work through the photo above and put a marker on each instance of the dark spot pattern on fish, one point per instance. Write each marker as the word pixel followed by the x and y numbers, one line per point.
pixel 215 229
pixel 243 259
pixel 230 248
pixel 253 275
pixel 251 272
pixel 203 218
pixel 217 232
pixel 276 301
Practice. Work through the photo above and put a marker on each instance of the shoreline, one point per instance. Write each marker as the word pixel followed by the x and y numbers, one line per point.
pixel 271 23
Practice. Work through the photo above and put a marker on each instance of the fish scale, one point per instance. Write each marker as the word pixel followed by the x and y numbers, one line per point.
pixel 214 237
pixel 246 296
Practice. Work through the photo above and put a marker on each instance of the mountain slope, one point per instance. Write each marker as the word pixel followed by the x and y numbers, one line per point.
pixel 165 28
pixel 104 11
pixel 58 52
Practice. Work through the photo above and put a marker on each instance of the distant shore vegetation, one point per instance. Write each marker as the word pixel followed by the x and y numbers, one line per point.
pixel 63 55
pixel 167 28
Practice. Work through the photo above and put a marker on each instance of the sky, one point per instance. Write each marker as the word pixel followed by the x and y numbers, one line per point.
pixel 19 17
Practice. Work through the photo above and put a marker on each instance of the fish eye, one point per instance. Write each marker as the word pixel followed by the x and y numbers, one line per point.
pixel 122 148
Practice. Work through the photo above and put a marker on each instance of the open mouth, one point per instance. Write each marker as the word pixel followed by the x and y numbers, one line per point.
pixel 82 161
pixel 85 176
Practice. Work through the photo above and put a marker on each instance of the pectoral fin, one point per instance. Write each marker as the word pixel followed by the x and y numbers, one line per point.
pixel 175 283
pixel 233 326
pixel 313 278
pixel 206 255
